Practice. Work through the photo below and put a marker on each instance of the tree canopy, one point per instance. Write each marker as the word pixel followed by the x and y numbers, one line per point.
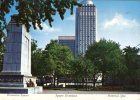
pixel 132 61
pixel 53 60
pixel 107 57
pixel 34 12
pixel 58 57
pixel 38 61
pixel 2 35
pixel 80 66
pixel 82 69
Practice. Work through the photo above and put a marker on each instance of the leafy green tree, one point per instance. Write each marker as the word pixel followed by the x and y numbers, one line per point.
pixel 34 12
pixel 107 58
pixel 2 35
pixel 33 45
pixel 58 58
pixel 38 63
pixel 82 69
pixel 132 61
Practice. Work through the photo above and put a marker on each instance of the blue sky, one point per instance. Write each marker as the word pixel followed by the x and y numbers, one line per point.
pixel 117 20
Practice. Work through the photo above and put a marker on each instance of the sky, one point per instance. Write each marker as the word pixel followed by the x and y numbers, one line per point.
pixel 117 20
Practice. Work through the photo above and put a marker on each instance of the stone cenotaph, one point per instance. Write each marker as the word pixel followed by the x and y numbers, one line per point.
pixel 16 74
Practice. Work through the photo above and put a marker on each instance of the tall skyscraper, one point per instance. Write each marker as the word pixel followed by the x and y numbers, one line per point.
pixel 85 26
pixel 68 41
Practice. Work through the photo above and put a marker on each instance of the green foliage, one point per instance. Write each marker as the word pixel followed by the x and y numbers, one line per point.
pixel 2 35
pixel 82 68
pixel 33 45
pixel 107 57
pixel 132 61
pixel 58 58
pixel 105 54
pixel 38 62
pixel 131 57
pixel 53 60
pixel 33 12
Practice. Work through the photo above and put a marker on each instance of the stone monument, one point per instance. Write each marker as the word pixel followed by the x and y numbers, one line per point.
pixel 16 74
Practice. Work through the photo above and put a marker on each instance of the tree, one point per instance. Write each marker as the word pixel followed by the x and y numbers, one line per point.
pixel 33 45
pixel 107 58
pixel 38 62
pixel 2 35
pixel 132 61
pixel 58 58
pixel 82 69
pixel 34 12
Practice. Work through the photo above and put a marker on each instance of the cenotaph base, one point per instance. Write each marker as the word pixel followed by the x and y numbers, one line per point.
pixel 16 73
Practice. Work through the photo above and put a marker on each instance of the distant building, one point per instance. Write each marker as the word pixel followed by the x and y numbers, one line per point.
pixel 68 41
pixel 85 26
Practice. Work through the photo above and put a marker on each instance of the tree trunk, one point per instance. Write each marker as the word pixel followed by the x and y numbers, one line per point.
pixel 65 84
pixel 82 82
pixel 86 82
pixel 57 80
pixel 94 81
pixel 103 79
pixel 54 81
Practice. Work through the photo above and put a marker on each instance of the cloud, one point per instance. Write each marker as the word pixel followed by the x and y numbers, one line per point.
pixel 120 29
pixel 46 29
pixel 44 36
pixel 121 22
pixel 71 18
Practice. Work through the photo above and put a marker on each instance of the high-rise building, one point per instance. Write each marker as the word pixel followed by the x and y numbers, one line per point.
pixel 68 41
pixel 85 26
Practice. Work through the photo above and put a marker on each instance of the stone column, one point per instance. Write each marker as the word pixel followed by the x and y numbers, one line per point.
pixel 17 60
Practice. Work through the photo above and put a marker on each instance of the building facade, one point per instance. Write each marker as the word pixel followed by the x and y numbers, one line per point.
pixel 68 41
pixel 85 26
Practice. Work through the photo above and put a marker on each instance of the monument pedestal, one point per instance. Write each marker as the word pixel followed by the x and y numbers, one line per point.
pixel 16 74
pixel 16 80
pixel 21 90
pixel 18 84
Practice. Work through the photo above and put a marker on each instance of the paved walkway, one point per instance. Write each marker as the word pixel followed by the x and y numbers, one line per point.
pixel 72 91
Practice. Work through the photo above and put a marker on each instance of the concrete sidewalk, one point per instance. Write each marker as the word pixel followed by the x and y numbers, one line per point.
pixel 73 91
